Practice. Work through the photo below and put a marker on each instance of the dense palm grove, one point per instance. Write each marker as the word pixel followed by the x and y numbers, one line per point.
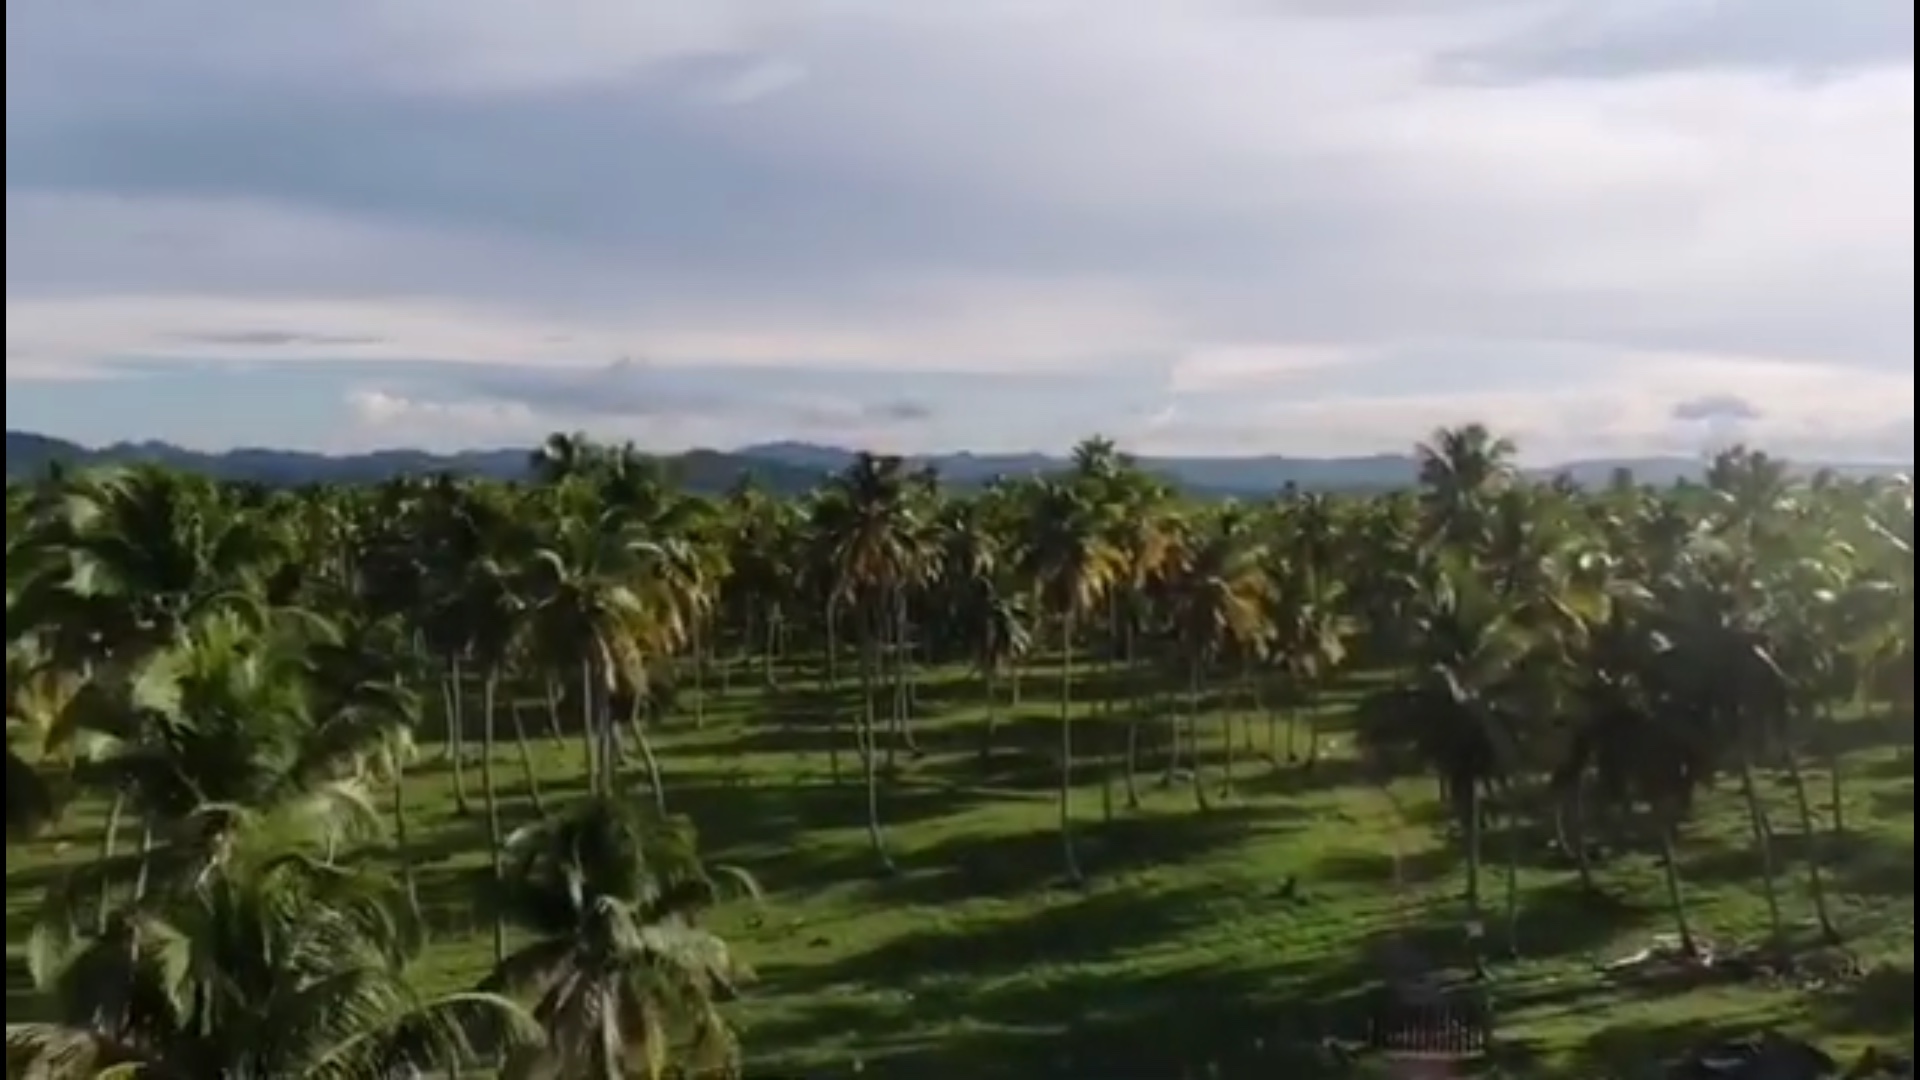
pixel 240 678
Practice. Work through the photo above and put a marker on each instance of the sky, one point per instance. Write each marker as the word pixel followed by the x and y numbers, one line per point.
pixel 1312 227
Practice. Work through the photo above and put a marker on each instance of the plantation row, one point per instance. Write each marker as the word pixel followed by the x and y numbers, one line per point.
pixel 240 681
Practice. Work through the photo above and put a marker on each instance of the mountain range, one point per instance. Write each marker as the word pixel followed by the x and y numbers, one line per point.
pixel 795 466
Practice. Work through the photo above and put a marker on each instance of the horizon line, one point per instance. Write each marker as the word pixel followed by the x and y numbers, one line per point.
pixel 748 450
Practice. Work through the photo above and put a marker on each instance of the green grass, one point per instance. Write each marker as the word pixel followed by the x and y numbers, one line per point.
pixel 1185 947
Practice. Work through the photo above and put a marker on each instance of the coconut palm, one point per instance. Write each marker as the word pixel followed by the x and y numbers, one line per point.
pixel 623 978
pixel 1218 603
pixel 1072 565
pixel 1453 715
pixel 275 965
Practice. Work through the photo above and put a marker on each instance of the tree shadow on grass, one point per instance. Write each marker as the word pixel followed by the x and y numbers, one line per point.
pixel 1879 1003
pixel 1886 768
pixel 804 720
pixel 1000 864
pixel 1025 753
pixel 1303 778
pixel 762 824
pixel 1025 756
pixel 1894 804
pixel 1227 1024
pixel 1383 869
pixel 1073 928
pixel 1857 862
pixel 1052 994
pixel 1880 731
pixel 1558 922
pixel 1644 1050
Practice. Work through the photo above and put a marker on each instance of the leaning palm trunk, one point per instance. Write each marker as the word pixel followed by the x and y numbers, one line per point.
pixel 1670 865
pixel 1763 846
pixel 1816 884
pixel 638 722
pixel 527 769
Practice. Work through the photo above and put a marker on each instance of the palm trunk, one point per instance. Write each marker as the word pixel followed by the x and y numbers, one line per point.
pixel 589 729
pixel 699 671
pixel 551 690
pixel 1763 845
pixel 769 641
pixel 1130 768
pixel 527 769
pixel 1104 731
pixel 1304 707
pixel 1071 857
pixel 638 722
pixel 1574 841
pixel 1810 835
pixel 991 724
pixel 868 732
pixel 457 734
pixel 489 690
pixel 1229 715
pixel 1193 735
pixel 609 731
pixel 1836 806
pixel 1513 885
pixel 1472 824
pixel 830 679
pixel 908 675
pixel 402 850
pixel 1676 902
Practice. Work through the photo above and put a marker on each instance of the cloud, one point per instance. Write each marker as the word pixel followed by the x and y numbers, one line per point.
pixel 660 408
pixel 386 412
pixel 1730 407
pixel 1633 403
pixel 1308 215
pixel 254 339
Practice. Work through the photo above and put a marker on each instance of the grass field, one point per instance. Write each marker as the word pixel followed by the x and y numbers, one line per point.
pixel 1188 946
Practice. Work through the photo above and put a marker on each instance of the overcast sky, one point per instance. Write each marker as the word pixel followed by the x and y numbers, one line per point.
pixel 1215 226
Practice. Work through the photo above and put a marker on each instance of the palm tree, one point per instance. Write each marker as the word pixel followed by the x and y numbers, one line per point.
pixel 1069 561
pixel 1218 600
pixel 217 736
pixel 990 619
pixel 276 965
pixel 601 598
pixel 875 551
pixel 1460 469
pixel 623 978
pixel 1454 714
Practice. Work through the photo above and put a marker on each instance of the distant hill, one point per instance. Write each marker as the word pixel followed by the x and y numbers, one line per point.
pixel 700 470
pixel 1266 474
pixel 790 467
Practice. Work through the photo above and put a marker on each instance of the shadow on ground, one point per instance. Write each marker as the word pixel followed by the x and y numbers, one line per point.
pixel 1065 991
